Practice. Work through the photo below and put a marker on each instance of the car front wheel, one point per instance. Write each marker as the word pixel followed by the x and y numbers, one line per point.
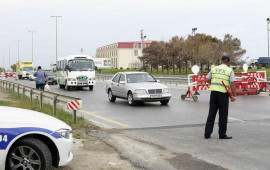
pixel 111 97
pixel 130 99
pixel 164 102
pixel 91 87
pixel 29 153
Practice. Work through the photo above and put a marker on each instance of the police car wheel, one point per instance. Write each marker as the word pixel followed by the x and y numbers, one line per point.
pixel 29 153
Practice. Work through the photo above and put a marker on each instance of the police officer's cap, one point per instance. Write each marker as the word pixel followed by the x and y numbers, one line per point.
pixel 225 58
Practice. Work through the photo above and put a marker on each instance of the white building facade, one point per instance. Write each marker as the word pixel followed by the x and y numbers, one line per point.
pixel 123 54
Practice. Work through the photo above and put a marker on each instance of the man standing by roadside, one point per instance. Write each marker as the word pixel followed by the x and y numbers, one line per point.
pixel 219 98
pixel 41 78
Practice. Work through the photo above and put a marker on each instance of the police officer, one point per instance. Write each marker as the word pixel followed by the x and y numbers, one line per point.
pixel 219 98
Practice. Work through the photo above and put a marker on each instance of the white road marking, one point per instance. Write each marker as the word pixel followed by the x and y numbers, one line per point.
pixel 239 120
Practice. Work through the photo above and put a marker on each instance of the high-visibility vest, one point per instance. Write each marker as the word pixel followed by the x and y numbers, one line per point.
pixel 220 73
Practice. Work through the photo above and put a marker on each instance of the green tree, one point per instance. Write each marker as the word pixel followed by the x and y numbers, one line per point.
pixel 13 67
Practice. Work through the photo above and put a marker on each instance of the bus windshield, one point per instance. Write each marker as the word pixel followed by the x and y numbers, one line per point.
pixel 81 65
pixel 27 69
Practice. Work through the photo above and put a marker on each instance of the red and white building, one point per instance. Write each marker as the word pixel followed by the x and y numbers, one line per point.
pixel 123 54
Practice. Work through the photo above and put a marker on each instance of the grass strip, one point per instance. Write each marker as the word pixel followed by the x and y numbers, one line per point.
pixel 61 114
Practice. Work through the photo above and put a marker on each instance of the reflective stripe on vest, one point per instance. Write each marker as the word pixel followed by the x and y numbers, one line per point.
pixel 219 74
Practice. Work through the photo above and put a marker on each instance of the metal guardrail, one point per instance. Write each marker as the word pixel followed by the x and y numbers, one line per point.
pixel 42 96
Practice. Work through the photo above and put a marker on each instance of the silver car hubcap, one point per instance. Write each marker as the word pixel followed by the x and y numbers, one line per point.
pixel 24 158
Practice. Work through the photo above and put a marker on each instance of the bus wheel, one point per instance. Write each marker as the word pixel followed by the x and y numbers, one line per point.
pixel 91 87
pixel 68 87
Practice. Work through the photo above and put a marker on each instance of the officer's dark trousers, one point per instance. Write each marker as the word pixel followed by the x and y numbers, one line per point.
pixel 218 101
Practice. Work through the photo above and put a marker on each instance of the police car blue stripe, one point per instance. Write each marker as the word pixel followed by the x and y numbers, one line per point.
pixel 11 133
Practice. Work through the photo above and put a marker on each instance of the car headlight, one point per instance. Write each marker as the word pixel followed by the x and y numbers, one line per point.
pixel 64 133
pixel 140 91
pixel 166 90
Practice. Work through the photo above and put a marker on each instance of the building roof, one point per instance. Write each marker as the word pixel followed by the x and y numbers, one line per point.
pixel 126 44
pixel 131 44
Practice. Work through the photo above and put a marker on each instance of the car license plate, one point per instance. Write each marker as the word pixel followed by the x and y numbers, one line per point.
pixel 156 96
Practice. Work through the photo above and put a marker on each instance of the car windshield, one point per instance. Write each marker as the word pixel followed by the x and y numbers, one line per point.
pixel 140 78
pixel 27 69
pixel 81 65
pixel 50 74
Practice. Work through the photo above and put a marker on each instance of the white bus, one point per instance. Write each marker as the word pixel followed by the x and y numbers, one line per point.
pixel 76 71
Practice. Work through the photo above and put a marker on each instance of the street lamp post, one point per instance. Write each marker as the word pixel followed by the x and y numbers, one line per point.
pixel 143 45
pixel 32 32
pixel 9 57
pixel 56 17
pixel 3 58
pixel 194 31
pixel 19 49
pixel 268 21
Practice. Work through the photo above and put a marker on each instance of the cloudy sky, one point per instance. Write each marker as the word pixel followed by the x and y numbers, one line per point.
pixel 90 24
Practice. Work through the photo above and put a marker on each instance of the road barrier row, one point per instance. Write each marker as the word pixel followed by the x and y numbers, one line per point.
pixel 165 80
pixel 54 98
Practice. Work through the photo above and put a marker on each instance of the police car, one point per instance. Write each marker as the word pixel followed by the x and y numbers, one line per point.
pixel 31 140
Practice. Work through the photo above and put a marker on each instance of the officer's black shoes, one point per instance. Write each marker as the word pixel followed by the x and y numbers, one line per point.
pixel 225 137
pixel 207 136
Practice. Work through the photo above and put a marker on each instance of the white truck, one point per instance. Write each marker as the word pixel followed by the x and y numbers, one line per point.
pixel 24 69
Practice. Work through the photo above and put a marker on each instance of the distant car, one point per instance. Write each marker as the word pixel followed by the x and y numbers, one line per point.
pixel 137 87
pixel 33 140
pixel 52 78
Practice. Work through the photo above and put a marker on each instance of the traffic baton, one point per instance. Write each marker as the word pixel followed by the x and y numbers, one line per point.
pixel 230 95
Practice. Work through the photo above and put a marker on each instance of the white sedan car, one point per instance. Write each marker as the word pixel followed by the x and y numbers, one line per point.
pixel 137 87
pixel 33 140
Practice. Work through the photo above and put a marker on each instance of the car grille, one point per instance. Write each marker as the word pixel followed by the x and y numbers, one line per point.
pixel 155 91
pixel 82 80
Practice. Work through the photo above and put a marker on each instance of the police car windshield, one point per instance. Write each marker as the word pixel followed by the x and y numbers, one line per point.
pixel 140 78
pixel 81 65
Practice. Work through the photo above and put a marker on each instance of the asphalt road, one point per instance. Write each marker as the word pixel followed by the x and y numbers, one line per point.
pixel 179 126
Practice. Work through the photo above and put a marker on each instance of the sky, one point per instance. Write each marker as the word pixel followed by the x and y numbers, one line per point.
pixel 89 24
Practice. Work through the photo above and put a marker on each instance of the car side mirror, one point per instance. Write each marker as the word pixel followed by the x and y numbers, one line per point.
pixel 121 82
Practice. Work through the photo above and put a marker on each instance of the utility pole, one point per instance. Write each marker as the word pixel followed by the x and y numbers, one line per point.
pixel 32 32
pixel 9 57
pixel 82 50
pixel 56 17
pixel 19 49
pixel 143 45
pixel 268 21
pixel 3 59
